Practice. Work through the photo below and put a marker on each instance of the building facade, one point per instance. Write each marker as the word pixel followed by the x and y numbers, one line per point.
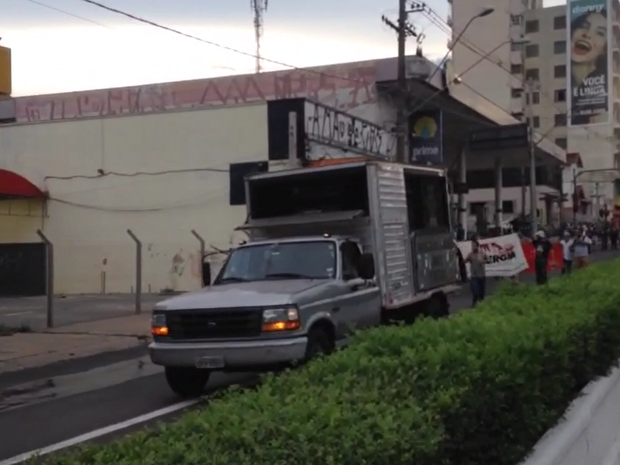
pixel 91 170
pixel 527 75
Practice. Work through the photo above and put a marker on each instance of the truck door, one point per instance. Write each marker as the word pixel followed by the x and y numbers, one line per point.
pixel 359 304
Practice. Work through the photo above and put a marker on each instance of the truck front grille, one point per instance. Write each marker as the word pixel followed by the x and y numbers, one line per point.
pixel 211 324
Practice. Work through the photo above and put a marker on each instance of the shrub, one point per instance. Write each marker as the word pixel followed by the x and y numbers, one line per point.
pixel 479 388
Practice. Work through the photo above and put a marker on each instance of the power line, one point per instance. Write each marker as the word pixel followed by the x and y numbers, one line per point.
pixel 67 13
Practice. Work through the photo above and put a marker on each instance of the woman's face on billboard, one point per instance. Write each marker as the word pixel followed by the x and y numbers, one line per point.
pixel 589 39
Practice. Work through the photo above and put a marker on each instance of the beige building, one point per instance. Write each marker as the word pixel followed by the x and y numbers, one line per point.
pixel 503 74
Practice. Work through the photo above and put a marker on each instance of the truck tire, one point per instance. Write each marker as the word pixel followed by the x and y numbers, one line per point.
pixel 437 306
pixel 187 382
pixel 320 342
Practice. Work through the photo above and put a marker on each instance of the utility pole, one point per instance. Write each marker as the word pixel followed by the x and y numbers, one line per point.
pixel 529 86
pixel 403 30
pixel 401 82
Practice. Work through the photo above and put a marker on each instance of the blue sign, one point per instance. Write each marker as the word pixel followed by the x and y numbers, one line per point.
pixel 426 137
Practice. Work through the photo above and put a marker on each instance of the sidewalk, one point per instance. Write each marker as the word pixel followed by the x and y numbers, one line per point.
pixel 29 350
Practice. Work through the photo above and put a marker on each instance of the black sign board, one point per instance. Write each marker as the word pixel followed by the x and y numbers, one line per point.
pixel 334 128
pixel 502 137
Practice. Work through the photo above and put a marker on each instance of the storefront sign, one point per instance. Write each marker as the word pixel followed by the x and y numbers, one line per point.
pixel 333 128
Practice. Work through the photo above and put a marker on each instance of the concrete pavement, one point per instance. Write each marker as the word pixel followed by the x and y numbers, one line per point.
pixel 36 349
pixel 72 309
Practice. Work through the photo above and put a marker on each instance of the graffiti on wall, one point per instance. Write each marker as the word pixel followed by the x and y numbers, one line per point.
pixel 344 86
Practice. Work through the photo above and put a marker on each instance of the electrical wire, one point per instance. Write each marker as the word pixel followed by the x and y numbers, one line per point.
pixel 67 13
pixel 198 201
pixel 138 173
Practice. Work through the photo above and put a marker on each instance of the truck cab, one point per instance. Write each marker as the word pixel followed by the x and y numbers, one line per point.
pixel 274 303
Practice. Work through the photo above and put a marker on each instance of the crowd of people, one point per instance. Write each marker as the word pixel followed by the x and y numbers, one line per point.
pixel 577 241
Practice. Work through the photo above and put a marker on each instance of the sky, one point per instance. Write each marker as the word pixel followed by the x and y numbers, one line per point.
pixel 70 45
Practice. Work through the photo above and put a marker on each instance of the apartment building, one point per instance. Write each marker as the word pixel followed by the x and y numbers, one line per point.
pixel 526 74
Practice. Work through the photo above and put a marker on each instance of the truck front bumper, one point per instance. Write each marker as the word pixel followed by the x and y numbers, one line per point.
pixel 237 355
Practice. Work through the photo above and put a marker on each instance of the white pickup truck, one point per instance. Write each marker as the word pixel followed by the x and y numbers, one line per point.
pixel 332 248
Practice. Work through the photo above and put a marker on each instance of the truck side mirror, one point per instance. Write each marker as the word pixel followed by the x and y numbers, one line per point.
pixel 366 266
pixel 206 274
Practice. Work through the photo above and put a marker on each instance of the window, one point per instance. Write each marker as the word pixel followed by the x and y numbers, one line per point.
pixel 532 74
pixel 559 23
pixel 535 98
pixel 559 71
pixel 476 207
pixel 560 120
pixel 516 47
pixel 561 142
pixel 536 121
pixel 516 93
pixel 559 95
pixel 531 26
pixel 516 20
pixel 532 51
pixel 236 175
pixel 508 206
pixel 315 259
pixel 516 69
pixel 559 47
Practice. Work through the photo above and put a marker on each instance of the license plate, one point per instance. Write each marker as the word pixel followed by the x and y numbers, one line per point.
pixel 210 362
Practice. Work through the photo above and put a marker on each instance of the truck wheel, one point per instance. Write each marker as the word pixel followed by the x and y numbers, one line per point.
pixel 320 342
pixel 187 382
pixel 437 307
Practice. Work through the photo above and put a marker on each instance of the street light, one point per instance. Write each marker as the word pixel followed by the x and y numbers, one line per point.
pixel 401 117
pixel 458 78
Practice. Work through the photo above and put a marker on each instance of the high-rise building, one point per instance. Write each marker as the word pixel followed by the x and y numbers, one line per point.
pixel 558 65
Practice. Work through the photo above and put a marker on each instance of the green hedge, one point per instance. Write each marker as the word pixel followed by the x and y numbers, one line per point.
pixel 479 388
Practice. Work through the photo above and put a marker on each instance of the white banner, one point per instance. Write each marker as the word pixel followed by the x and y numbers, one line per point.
pixel 505 255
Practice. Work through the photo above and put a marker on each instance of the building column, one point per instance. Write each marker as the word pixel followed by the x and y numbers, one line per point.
pixel 499 184
pixel 462 205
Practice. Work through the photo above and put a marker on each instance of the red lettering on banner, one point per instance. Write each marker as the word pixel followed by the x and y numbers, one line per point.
pixel 344 86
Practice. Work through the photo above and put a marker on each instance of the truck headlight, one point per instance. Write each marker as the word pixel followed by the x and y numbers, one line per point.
pixel 280 319
pixel 159 326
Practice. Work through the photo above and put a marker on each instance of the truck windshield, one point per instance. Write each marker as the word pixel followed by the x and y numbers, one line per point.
pixel 290 260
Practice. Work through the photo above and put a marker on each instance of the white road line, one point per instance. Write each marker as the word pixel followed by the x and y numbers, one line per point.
pixel 99 432
pixel 15 314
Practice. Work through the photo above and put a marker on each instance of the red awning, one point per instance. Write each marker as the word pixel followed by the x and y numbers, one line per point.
pixel 15 185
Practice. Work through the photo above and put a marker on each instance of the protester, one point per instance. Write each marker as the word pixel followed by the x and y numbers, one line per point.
pixel 567 243
pixel 613 238
pixel 542 248
pixel 477 280
pixel 582 249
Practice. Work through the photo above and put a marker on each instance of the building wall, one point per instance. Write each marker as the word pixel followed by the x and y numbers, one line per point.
pixel 165 174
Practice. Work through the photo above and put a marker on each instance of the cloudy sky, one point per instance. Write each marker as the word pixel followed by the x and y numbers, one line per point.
pixel 63 45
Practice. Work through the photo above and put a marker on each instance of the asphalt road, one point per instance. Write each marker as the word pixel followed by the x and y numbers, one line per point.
pixel 85 402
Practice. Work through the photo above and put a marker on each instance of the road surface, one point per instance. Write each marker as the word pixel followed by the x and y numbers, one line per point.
pixel 102 403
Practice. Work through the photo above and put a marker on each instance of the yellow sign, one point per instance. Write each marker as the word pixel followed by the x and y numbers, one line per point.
pixel 5 71
pixel 425 127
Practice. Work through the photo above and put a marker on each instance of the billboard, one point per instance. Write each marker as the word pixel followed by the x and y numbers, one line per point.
pixel 589 62
pixel 5 71
pixel 426 137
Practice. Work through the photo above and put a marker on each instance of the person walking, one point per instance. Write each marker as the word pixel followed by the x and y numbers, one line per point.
pixel 477 279
pixel 582 250
pixel 613 237
pixel 567 243
pixel 542 248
